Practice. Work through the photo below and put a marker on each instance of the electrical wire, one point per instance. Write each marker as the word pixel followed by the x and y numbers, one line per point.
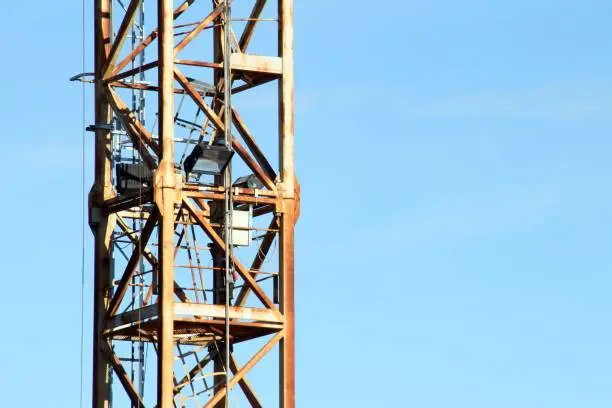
pixel 227 179
pixel 82 345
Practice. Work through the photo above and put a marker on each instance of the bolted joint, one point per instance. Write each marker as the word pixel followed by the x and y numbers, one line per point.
pixel 288 203
pixel 167 185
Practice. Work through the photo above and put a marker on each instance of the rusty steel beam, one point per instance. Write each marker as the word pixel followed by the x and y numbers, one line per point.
pixel 133 237
pixel 249 29
pixel 252 145
pixel 193 63
pixel 200 365
pixel 252 164
pixel 199 100
pixel 126 24
pixel 131 317
pixel 287 221
pixel 131 72
pixel 165 197
pixel 102 225
pixel 141 136
pixel 148 40
pixel 242 271
pixel 182 8
pixel 260 257
pixel 125 202
pixel 135 52
pixel 263 176
pixel 245 369
pixel 198 29
pixel 124 379
pixel 245 386
pixel 178 291
pixel 131 266
pixel 218 311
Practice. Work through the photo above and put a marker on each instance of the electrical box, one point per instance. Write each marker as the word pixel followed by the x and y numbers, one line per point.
pixel 241 222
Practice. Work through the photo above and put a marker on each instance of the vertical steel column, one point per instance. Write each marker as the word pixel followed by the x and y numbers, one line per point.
pixel 165 197
pixel 287 221
pixel 218 258
pixel 101 225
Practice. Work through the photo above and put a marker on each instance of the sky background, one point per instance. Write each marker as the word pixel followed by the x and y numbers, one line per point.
pixel 454 244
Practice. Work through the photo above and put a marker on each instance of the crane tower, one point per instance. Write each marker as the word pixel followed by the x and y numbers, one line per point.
pixel 193 204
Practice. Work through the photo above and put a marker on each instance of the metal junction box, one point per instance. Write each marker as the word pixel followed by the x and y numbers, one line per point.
pixel 241 221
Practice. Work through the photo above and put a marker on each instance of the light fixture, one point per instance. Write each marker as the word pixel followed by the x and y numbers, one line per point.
pixel 250 181
pixel 208 159
pixel 133 177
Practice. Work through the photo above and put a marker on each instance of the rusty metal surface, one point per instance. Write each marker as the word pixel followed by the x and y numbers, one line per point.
pixel 160 240
pixel 198 332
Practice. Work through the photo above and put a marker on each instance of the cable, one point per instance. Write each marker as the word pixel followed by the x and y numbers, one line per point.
pixel 82 210
pixel 229 207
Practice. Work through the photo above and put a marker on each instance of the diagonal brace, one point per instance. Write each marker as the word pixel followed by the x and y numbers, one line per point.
pixel 126 23
pixel 245 369
pixel 178 291
pixel 148 39
pixel 198 28
pixel 242 271
pixel 132 264
pixel 127 384
pixel 245 385
pixel 247 34
pixel 213 117
pixel 262 252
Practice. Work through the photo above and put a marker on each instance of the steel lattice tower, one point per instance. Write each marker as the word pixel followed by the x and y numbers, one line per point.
pixel 172 238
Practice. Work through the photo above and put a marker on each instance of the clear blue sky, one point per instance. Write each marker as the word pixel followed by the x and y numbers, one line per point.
pixel 454 245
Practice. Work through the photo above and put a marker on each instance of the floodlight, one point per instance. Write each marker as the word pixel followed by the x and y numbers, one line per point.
pixel 133 177
pixel 250 181
pixel 208 159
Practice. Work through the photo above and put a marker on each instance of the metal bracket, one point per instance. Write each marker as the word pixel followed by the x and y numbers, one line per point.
pixel 81 77
pixel 99 126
